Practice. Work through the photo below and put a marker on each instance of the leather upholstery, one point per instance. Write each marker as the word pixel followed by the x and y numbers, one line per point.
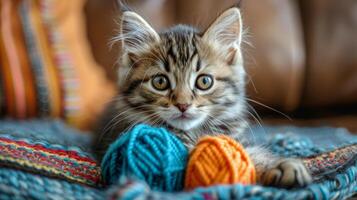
pixel 331 66
pixel 275 60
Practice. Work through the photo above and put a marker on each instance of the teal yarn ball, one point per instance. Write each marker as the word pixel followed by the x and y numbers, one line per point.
pixel 147 153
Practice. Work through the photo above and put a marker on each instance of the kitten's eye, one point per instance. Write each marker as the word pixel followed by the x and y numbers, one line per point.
pixel 204 82
pixel 160 82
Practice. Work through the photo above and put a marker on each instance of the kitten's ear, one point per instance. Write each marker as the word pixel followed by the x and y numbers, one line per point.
pixel 226 29
pixel 136 33
pixel 226 32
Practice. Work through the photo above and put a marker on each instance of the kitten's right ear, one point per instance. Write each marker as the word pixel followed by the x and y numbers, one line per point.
pixel 122 6
pixel 227 29
pixel 226 33
pixel 136 33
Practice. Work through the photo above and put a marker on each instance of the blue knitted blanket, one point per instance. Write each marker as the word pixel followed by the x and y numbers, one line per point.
pixel 287 141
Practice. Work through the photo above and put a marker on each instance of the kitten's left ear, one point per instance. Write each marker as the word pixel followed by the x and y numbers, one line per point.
pixel 226 31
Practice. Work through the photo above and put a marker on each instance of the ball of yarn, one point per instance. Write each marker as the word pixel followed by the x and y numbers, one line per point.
pixel 147 153
pixel 218 160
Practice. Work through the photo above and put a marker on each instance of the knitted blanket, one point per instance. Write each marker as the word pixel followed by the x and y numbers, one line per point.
pixel 338 185
pixel 50 160
pixel 32 166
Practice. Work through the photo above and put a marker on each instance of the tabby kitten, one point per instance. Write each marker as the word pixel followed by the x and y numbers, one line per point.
pixel 193 83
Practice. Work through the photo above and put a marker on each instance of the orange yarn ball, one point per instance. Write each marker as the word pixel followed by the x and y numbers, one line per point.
pixel 219 160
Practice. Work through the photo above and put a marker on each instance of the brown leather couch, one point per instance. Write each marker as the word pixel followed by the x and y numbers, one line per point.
pixel 301 56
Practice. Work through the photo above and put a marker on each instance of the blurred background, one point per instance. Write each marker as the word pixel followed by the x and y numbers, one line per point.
pixel 301 56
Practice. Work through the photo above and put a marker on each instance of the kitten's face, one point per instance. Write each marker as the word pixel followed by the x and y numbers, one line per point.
pixel 180 77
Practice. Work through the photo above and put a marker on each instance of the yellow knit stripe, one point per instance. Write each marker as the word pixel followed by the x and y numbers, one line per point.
pixel 17 146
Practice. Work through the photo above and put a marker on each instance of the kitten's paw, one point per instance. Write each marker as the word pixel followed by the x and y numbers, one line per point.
pixel 287 173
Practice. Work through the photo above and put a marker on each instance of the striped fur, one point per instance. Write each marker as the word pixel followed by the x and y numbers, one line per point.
pixel 182 54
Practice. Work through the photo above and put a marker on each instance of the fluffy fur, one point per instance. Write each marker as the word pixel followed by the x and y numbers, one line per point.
pixel 179 57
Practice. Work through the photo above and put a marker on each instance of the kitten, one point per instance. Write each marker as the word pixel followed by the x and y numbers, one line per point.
pixel 192 83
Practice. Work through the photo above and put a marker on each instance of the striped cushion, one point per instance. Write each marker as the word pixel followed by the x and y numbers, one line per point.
pixel 41 72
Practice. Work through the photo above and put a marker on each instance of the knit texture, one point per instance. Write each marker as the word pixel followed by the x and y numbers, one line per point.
pixel 328 164
pixel 19 185
pixel 340 184
pixel 43 158
pixel 46 159
pixel 147 153
pixel 218 160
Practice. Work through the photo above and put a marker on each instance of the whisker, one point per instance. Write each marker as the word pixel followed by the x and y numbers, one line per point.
pixel 259 120
pixel 120 114
pixel 110 125
pixel 268 107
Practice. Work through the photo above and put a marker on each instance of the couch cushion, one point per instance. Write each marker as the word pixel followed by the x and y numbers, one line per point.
pixel 46 65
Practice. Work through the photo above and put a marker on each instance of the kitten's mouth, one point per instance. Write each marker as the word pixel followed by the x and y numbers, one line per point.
pixel 184 121
pixel 184 116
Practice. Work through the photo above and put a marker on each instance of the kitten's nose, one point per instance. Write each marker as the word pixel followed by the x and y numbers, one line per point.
pixel 182 107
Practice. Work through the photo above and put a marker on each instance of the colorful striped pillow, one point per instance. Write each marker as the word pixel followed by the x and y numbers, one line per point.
pixel 46 67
